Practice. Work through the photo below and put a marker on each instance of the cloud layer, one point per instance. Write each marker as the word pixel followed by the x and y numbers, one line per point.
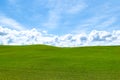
pixel 33 36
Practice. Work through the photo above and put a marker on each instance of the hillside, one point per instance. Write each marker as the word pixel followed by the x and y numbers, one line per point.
pixel 39 62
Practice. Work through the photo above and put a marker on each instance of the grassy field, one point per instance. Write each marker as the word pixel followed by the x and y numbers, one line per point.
pixel 40 62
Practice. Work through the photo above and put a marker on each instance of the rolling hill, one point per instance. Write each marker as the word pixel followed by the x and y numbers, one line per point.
pixel 40 62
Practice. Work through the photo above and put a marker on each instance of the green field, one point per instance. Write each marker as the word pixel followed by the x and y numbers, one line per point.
pixel 39 62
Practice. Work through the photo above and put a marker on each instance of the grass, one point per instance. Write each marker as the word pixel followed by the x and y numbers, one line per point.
pixel 39 62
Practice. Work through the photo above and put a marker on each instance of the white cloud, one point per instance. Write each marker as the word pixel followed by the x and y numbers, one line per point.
pixel 14 37
pixel 76 8
pixel 9 22
pixel 59 8
pixel 53 20
pixel 108 22
pixel 101 17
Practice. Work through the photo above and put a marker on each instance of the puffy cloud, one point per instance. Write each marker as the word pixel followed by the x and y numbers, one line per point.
pixel 33 36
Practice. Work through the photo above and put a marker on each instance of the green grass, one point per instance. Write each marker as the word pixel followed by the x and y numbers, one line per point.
pixel 39 62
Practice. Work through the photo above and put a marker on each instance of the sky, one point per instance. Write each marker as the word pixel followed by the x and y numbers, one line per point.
pixel 60 18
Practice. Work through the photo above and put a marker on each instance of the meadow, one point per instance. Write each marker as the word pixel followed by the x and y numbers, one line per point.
pixel 40 62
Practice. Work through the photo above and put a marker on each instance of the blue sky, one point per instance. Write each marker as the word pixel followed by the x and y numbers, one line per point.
pixel 61 17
